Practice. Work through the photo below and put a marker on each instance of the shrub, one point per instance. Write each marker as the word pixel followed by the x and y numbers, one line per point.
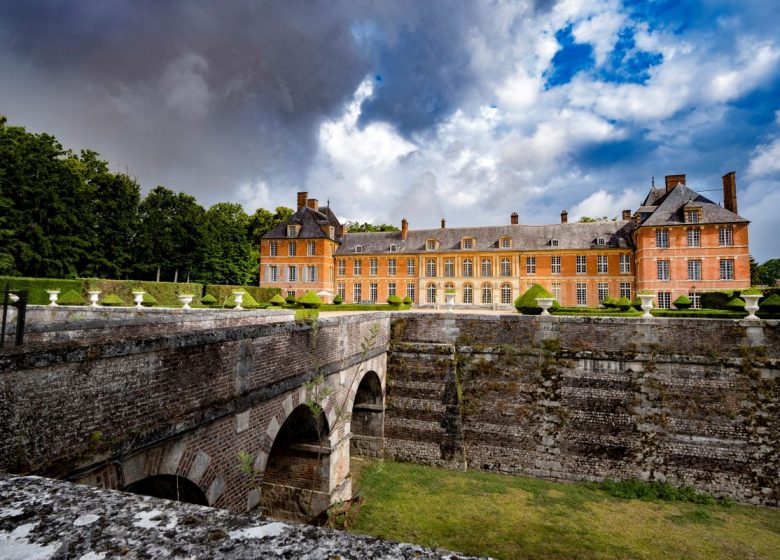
pixel 307 315
pixel 526 303
pixel 310 300
pixel 71 297
pixel 209 300
pixel 223 292
pixel 771 304
pixel 610 303
pixel 624 304
pixel 394 301
pixel 682 302
pixel 290 298
pixel 165 293
pixel 407 300
pixel 277 300
pixel 338 300
pixel 248 302
pixel 637 304
pixel 736 304
pixel 149 300
pixel 716 300
pixel 112 300
pixel 36 287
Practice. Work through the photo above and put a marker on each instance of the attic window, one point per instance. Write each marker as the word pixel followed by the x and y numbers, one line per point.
pixel 430 245
pixel 331 232
pixel 467 243
pixel 393 248
pixel 292 231
pixel 692 216
pixel 505 242
pixel 553 242
pixel 601 241
pixel 358 248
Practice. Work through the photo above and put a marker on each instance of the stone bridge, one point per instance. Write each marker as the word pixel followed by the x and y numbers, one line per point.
pixel 167 409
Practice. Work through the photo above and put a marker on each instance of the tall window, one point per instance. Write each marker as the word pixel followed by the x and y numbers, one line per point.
pixel 692 216
pixel 625 263
pixel 357 293
pixel 430 268
pixel 390 289
pixel 373 266
pixel 661 238
pixel 391 267
pixel 468 293
pixel 664 300
pixel 430 244
pixel 310 273
pixel 410 267
pixel 555 265
pixel 449 268
pixel 487 267
pixel 582 293
pixel 273 273
pixel 601 264
pixel 410 291
pixel 556 291
pixel 625 290
pixel 273 249
pixel 292 273
pixel 695 300
pixel 487 293
pixel 663 270
pixel 694 270
pixel 468 267
pixel 727 269
pixel 506 267
pixel 291 248
pixel 530 265
pixel 310 247
pixel 694 238
pixel 342 267
pixel 341 290
pixel 603 291
pixel 726 237
pixel 430 291
pixel 582 267
pixel 506 293
pixel 373 292
pixel 357 267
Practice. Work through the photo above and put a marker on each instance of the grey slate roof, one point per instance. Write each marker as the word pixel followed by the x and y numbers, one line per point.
pixel 311 222
pixel 528 237
pixel 669 209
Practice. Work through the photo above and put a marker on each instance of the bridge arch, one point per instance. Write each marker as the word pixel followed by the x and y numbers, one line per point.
pixel 368 417
pixel 169 487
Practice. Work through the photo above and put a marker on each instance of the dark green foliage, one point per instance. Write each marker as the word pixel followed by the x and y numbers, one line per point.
pixel 112 300
pixel 716 300
pixel 310 300
pixel 682 302
pixel 408 300
pixel 699 313
pixel 164 292
pixel 338 300
pixel 609 303
pixel 36 287
pixel 247 302
pixel 222 292
pixel 771 304
pixel 624 304
pixel 526 303
pixel 290 299
pixel 597 311
pixel 736 304
pixel 307 315
pixel 263 221
pixel 209 300
pixel 640 490
pixel 394 300
pixel 227 252
pixel 768 272
pixel 71 297
pixel 149 300
pixel 363 307
pixel 353 227
pixel 277 300
pixel 636 303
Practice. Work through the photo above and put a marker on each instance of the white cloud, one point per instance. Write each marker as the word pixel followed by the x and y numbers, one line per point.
pixel 605 204
pixel 765 159
pixel 184 87
pixel 601 31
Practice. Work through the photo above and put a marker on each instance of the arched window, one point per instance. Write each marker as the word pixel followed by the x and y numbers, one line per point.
pixel 487 293
pixel 468 293
pixel 430 290
pixel 449 286
pixel 430 268
pixel 506 267
pixel 468 268
pixel 506 293
pixel 487 267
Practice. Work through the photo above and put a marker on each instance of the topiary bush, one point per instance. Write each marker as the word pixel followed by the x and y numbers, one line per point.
pixel 609 303
pixel 682 302
pixel 526 303
pixel 36 287
pixel 624 304
pixel 277 300
pixel 394 301
pixel 771 304
pixel 736 304
pixel 149 300
pixel 290 299
pixel 209 300
pixel 248 302
pixel 310 300
pixel 338 300
pixel 112 300
pixel 716 300
pixel 71 297
pixel 636 303
pixel 407 300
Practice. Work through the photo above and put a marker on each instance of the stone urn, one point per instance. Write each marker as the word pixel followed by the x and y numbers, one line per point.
pixel 13 298
pixel 647 304
pixel 449 301
pixel 138 298
pixel 94 295
pixel 751 305
pixel 53 297
pixel 186 300
pixel 545 303
pixel 239 298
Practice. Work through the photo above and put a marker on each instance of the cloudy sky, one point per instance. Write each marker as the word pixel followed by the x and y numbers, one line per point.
pixel 467 110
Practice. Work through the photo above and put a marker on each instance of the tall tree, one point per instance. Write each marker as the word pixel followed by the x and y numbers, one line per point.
pixel 227 252
pixel 769 272
pixel 263 221
pixel 365 226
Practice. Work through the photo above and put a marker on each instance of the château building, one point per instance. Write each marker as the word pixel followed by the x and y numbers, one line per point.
pixel 678 242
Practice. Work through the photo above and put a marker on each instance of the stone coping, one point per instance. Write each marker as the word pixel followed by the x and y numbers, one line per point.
pixel 50 519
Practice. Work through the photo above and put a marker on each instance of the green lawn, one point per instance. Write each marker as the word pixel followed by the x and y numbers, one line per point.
pixel 516 517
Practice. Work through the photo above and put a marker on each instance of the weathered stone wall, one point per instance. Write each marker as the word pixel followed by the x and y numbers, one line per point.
pixel 571 398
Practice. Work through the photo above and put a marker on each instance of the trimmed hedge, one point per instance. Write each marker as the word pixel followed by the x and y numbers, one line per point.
pixel 225 291
pixel 407 300
pixel 209 300
pixel 394 301
pixel 112 300
pixel 290 299
pixel 164 293
pixel 526 303
pixel 624 304
pixel 771 304
pixel 682 302
pixel 310 300
pixel 597 311
pixel 277 300
pixel 36 287
pixel 338 300
pixel 149 300
pixel 716 300
pixel 698 313
pixel 363 307
pixel 71 297
pixel 247 302
pixel 736 304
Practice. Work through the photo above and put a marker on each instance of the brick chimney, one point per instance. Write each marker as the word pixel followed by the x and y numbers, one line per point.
pixel 313 203
pixel 672 180
pixel 564 216
pixel 404 229
pixel 626 214
pixel 302 196
pixel 514 219
pixel 443 223
pixel 730 191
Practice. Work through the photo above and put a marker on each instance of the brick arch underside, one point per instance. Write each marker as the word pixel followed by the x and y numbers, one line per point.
pixel 367 416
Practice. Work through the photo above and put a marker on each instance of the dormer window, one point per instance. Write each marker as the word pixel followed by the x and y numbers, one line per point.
pixel 692 216
pixel 467 243
pixel 358 248
pixel 430 245
pixel 331 232
pixel 553 243
pixel 601 241
pixel 505 242
pixel 292 230
pixel 393 248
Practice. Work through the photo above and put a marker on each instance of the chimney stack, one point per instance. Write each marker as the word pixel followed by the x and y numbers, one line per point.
pixel 730 191
pixel 404 229
pixel 672 180
pixel 564 216
pixel 443 223
pixel 302 196
pixel 313 203
pixel 626 214
pixel 514 219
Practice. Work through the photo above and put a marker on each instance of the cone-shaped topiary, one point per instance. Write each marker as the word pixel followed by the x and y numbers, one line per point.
pixel 71 297
pixel 408 300
pixel 290 298
pixel 526 303
pixel 277 300
pixel 149 300
pixel 771 304
pixel 338 300
pixel 112 300
pixel 609 303
pixel 395 301
pixel 683 302
pixel 247 302
pixel 736 304
pixel 624 304
pixel 209 300
pixel 310 300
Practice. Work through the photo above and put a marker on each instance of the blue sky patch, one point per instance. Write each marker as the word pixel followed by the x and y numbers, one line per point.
pixel 569 60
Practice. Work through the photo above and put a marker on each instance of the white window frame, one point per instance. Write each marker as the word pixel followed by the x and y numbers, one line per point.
pixel 506 293
pixel 582 264
pixel 625 263
pixel 373 266
pixel 358 248
pixel 311 248
pixel 530 265
pixel 391 267
pixel 726 237
pixel 430 268
pixel 449 268
pixel 373 292
pixel 273 249
pixel 486 266
pixel 662 238
pixel 391 288
pixel 582 293
pixel 468 293
pixel 468 268
pixel 430 293
pixel 487 293
pixel 694 269
pixel 467 243
pixel 603 291
pixel 506 267
pixel 292 248
pixel 410 267
pixel 602 264
pixel 342 267
pixel 410 290
pixel 625 290
pixel 663 270
pixel 555 264
pixel 726 269
pixel 273 273
pixel 694 237
pixel 556 291
pixel 357 292
pixel 292 273
pixel 664 300
pixel 341 290
pixel 357 267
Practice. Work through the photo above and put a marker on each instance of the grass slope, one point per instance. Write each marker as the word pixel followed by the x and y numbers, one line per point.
pixel 516 517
